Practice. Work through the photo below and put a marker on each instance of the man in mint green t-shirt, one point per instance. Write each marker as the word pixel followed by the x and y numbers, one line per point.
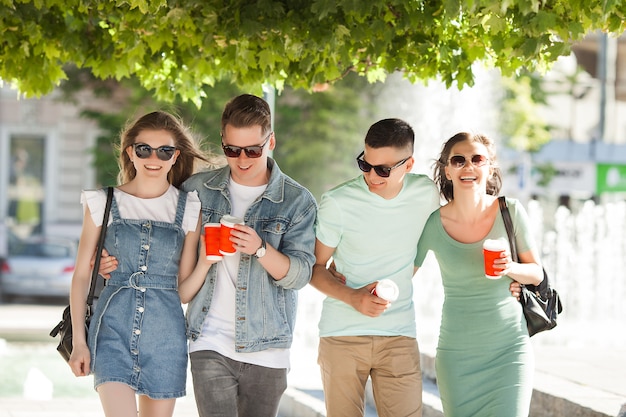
pixel 370 226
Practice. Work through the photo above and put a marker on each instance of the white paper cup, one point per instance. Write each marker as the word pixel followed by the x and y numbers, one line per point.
pixel 387 290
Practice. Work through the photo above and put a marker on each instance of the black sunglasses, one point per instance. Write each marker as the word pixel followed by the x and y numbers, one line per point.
pixel 459 161
pixel 164 153
pixel 251 151
pixel 381 170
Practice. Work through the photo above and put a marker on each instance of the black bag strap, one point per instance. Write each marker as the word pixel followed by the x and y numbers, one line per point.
pixel 544 286
pixel 508 224
pixel 103 231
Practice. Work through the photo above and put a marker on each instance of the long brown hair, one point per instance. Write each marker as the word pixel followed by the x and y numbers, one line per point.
pixel 494 182
pixel 190 156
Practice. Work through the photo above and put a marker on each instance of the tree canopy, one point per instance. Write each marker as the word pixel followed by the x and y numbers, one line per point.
pixel 318 135
pixel 176 47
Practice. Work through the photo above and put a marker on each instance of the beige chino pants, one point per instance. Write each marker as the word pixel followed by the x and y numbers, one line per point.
pixel 392 362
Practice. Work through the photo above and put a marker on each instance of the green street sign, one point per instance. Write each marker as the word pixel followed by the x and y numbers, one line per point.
pixel 611 178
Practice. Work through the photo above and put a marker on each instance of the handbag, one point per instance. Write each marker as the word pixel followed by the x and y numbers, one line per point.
pixel 64 328
pixel 541 303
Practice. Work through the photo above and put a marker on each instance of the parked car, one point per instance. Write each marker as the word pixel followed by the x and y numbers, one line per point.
pixel 38 267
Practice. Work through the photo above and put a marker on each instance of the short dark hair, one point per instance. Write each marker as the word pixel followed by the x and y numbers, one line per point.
pixel 394 133
pixel 247 110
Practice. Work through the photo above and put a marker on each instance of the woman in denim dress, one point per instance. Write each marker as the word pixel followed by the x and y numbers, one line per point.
pixel 137 343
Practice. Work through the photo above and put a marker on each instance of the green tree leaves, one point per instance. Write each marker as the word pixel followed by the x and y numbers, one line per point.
pixel 177 47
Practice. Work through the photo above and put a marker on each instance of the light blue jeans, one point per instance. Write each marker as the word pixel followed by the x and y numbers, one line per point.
pixel 227 388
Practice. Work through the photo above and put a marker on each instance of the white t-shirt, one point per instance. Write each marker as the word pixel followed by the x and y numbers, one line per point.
pixel 162 208
pixel 218 330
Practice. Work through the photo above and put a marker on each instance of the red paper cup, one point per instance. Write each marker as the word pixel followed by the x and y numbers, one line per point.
pixel 212 241
pixel 387 290
pixel 492 249
pixel 228 222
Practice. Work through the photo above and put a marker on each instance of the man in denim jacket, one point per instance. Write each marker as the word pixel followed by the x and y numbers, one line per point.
pixel 241 320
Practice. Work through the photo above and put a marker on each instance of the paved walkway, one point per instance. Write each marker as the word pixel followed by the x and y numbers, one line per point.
pixel 584 373
pixel 579 362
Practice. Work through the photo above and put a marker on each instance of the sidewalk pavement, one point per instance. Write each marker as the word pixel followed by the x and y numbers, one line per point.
pixel 580 372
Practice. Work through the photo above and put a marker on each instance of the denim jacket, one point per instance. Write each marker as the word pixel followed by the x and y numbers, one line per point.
pixel 284 216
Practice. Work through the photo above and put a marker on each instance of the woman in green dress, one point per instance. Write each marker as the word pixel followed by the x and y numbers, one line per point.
pixel 485 361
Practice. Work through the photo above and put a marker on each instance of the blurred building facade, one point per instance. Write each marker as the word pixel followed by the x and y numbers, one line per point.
pixel 586 108
pixel 45 161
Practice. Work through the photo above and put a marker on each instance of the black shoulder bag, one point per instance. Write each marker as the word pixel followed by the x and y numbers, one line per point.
pixel 64 328
pixel 541 303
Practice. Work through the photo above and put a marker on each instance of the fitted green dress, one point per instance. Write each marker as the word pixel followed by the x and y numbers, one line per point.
pixel 485 362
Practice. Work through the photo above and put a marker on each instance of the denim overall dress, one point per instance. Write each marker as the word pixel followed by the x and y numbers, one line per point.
pixel 137 334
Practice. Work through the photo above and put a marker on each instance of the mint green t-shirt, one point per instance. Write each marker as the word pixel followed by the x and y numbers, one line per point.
pixel 374 239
